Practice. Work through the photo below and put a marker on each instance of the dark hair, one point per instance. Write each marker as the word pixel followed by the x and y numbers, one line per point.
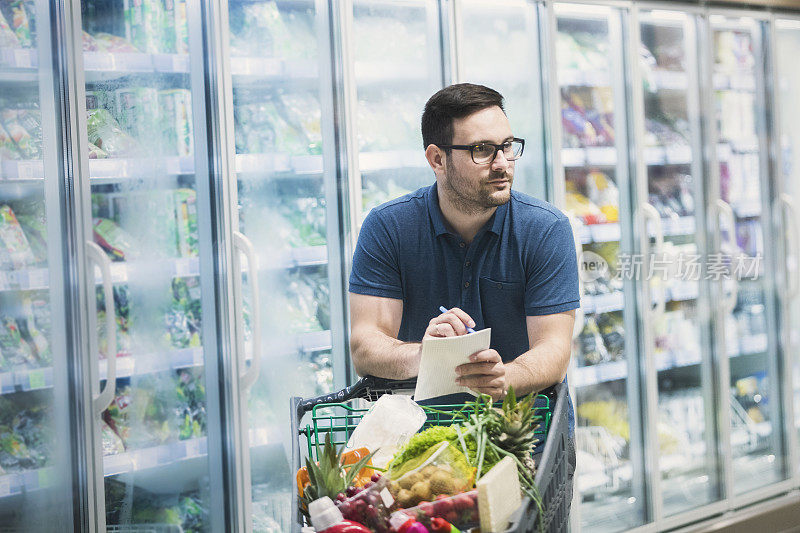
pixel 452 102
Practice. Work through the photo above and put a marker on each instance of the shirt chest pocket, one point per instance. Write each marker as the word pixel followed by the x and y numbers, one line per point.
pixel 503 310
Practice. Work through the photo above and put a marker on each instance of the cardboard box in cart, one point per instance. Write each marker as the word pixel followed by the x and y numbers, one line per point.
pixel 551 472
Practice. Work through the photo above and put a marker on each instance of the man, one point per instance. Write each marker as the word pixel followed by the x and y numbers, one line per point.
pixel 494 257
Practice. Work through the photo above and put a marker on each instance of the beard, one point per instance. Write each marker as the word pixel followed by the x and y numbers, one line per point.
pixel 471 198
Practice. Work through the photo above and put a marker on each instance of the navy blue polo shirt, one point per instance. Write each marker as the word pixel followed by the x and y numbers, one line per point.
pixel 521 263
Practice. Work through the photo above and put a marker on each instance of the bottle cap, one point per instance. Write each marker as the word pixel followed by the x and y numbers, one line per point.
pixel 324 513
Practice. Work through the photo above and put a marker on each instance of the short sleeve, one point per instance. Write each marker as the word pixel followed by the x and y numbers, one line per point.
pixel 376 269
pixel 552 273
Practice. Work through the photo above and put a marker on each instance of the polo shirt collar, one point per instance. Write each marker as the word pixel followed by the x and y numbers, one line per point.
pixel 497 220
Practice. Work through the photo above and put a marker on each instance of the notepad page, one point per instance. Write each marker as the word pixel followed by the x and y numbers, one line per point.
pixel 441 356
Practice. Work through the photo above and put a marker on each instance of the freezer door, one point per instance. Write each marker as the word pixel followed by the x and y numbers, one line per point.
pixel 499 48
pixel 589 88
pixel 37 427
pixel 396 63
pixel 787 48
pixel 284 187
pixel 144 180
pixel 743 270
pixel 669 179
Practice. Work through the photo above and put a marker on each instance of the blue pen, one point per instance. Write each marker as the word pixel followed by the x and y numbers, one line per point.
pixel 443 309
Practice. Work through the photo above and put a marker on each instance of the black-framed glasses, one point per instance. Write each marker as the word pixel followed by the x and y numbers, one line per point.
pixel 483 153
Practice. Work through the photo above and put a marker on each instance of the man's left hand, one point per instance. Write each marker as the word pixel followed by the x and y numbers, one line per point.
pixel 485 373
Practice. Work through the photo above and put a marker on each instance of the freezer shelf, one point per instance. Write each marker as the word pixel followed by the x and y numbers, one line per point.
pixel 19 58
pixel 604 372
pixel 678 291
pixel 295 165
pixel 607 156
pixel 610 232
pixel 22 483
pixel 116 169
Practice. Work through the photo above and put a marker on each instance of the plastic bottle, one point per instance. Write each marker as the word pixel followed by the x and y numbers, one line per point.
pixel 402 523
pixel 327 518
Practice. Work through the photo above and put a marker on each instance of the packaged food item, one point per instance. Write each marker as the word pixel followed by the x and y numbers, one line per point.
pixel 89 44
pixel 181 27
pixel 460 510
pixel 21 24
pixel 14 122
pixel 30 332
pixel 183 318
pixel 592 349
pixel 13 239
pixel 8 149
pixel 176 122
pixel 603 193
pixel 34 226
pixel 143 24
pixel 114 44
pixel 114 240
pixel 303 109
pixel 8 38
pixel 137 110
pixel 326 518
pixel 582 207
pixel 106 134
pixel 16 353
pixel 96 152
pixel 186 216
pixel 25 440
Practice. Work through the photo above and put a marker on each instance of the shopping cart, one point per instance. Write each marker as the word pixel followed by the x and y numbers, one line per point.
pixel 335 414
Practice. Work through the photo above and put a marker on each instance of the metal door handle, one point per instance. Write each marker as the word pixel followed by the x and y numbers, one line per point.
pixel 792 235
pixel 245 246
pixel 650 212
pixel 579 313
pixel 725 210
pixel 97 256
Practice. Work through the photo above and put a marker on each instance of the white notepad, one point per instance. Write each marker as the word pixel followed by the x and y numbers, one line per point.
pixel 441 356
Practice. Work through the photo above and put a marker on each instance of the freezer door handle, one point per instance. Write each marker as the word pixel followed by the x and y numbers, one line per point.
pixel 579 314
pixel 792 234
pixel 245 246
pixel 721 208
pixel 650 213
pixel 97 256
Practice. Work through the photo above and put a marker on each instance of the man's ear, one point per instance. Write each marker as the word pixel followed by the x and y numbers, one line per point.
pixel 436 158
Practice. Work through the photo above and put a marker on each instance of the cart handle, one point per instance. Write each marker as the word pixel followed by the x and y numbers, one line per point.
pixel 368 387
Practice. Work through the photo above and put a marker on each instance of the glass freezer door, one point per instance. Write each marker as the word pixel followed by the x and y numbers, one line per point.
pixel 499 48
pixel 146 175
pixel 284 189
pixel 787 50
pixel 35 422
pixel 748 321
pixel 397 67
pixel 609 475
pixel 671 163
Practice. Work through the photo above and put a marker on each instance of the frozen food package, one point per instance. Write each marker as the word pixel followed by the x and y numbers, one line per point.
pixel 89 43
pixel 20 21
pixel 106 134
pixel 96 152
pixel 181 27
pixel 117 243
pixel 137 110
pixel 8 39
pixel 114 44
pixel 13 239
pixel 35 338
pixel 173 34
pixel 8 149
pixel 603 193
pixel 34 226
pixel 16 352
pixel 176 122
pixel 13 121
pixel 186 217
pixel 183 318
pixel 304 110
pixel 592 349
pixel 143 23
pixel 579 205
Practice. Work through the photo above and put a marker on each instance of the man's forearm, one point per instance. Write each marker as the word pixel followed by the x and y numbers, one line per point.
pixel 540 367
pixel 378 354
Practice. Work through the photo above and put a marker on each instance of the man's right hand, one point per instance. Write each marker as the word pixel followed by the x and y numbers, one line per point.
pixel 450 324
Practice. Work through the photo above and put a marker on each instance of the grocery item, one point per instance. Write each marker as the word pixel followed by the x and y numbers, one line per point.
pixel 603 193
pixel 34 226
pixel 30 331
pixel 387 426
pixel 402 523
pixel 25 439
pixel 326 518
pixel 581 206
pixel 106 134
pixel 498 495
pixel 175 115
pixel 113 44
pixel 186 216
pixel 21 22
pixel 143 19
pixel 13 240
pixel 8 38
pixel 138 112
pixel 24 130
pixel 116 242
pixel 15 353
pixel 89 44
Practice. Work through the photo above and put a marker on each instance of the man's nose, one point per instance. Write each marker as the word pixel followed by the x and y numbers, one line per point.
pixel 500 162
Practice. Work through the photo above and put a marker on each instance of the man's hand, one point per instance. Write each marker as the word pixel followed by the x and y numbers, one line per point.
pixel 450 324
pixel 486 374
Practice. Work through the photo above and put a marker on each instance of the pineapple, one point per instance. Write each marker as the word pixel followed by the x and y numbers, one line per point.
pixel 328 477
pixel 512 428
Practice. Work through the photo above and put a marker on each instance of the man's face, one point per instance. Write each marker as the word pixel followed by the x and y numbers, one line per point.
pixel 476 187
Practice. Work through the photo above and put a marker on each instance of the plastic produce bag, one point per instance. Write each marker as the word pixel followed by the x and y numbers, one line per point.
pixel 390 422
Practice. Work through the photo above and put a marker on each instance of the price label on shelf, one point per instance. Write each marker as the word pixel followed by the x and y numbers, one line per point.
pixel 28 170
